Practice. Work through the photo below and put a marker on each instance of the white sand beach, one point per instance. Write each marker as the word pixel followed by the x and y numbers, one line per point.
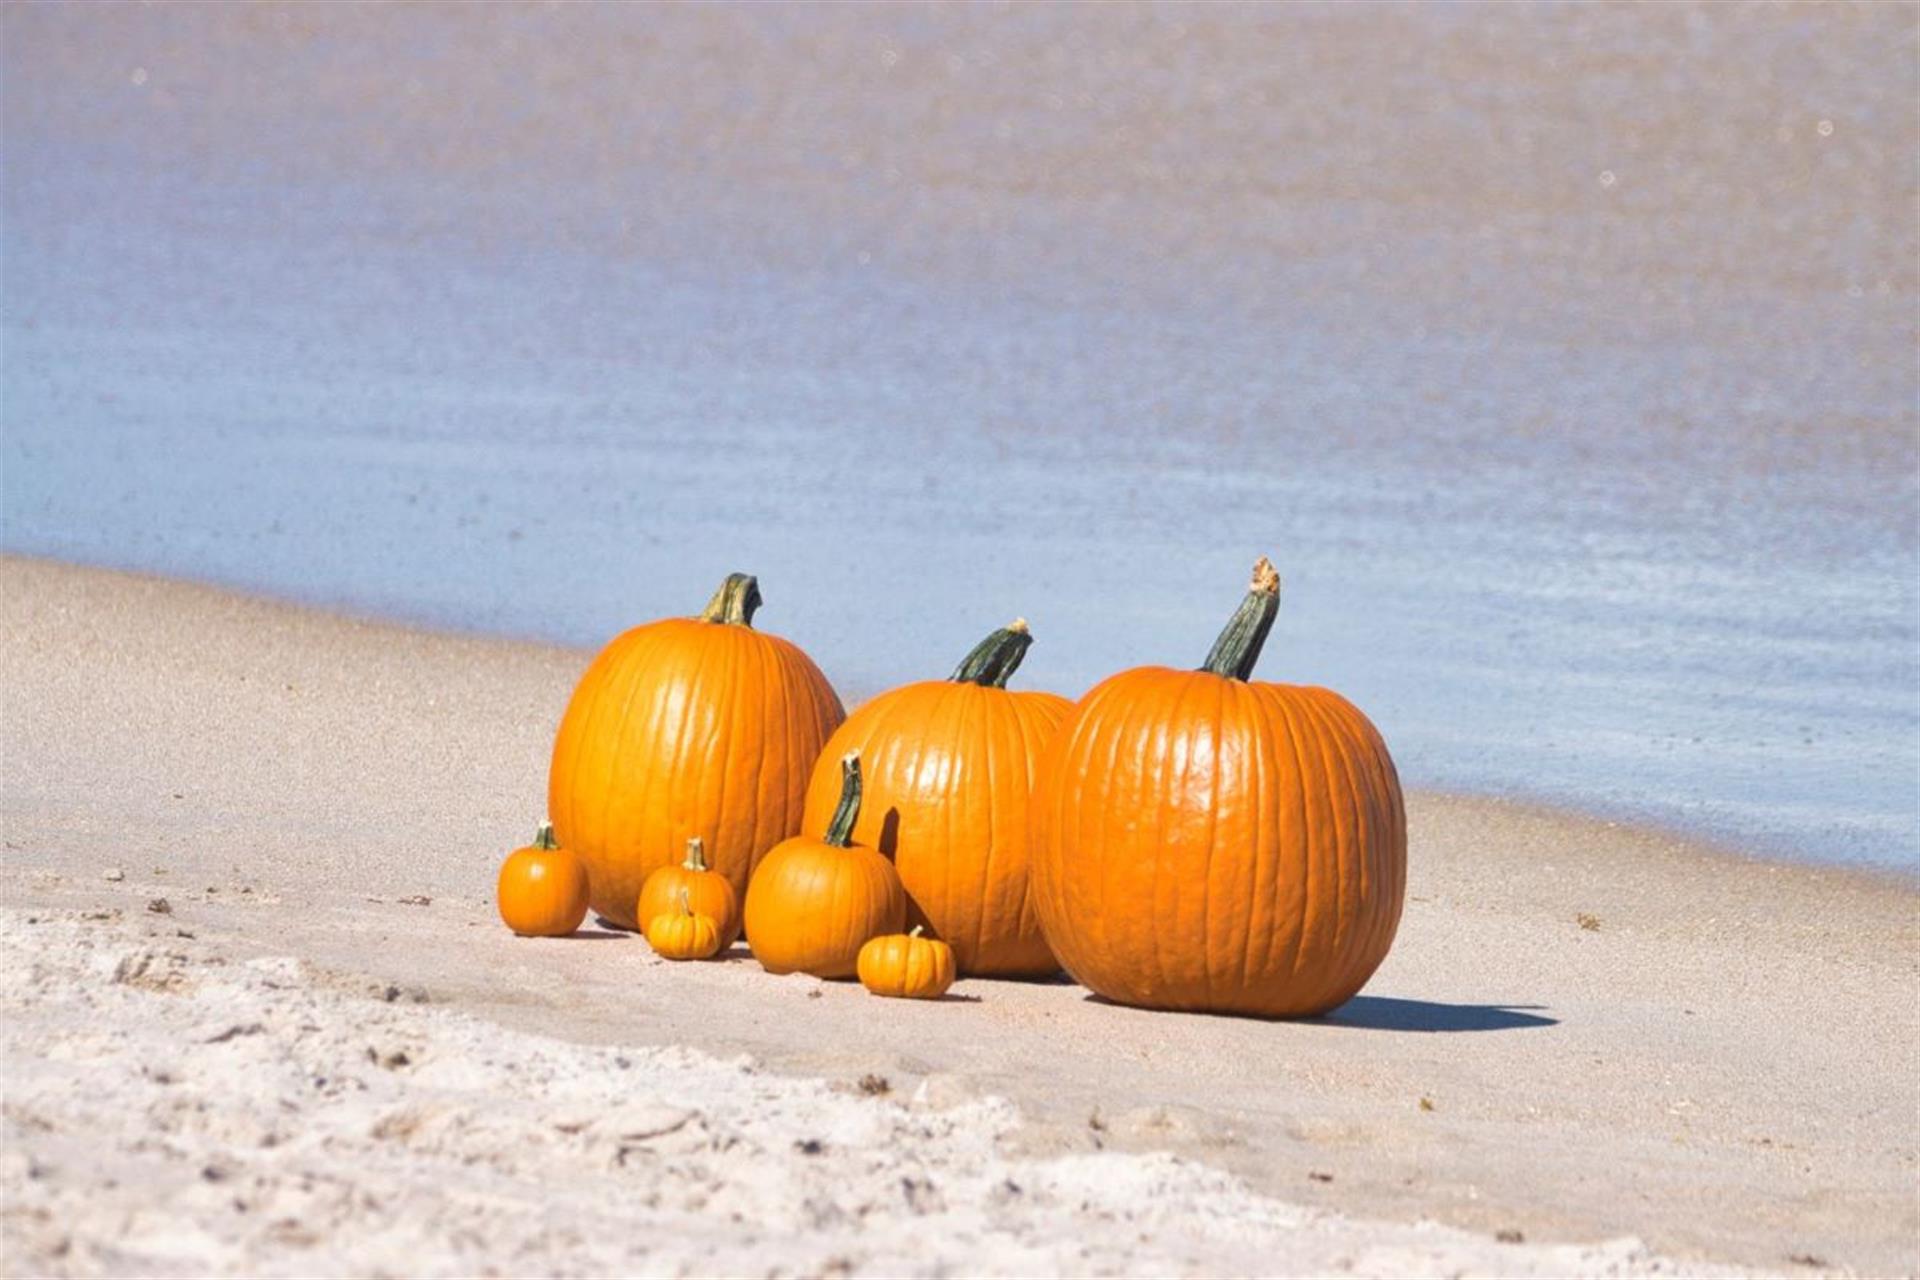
pixel 175 1111
pixel 260 1019
pixel 1560 356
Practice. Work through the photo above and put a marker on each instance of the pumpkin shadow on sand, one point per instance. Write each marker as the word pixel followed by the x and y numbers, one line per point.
pixel 1390 1013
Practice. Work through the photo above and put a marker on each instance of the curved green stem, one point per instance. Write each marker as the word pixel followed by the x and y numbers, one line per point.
pixel 696 855
pixel 1238 647
pixel 544 837
pixel 840 830
pixel 995 658
pixel 735 601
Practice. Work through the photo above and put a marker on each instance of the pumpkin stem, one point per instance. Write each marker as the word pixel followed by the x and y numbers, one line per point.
pixel 686 900
pixel 544 837
pixel 840 830
pixel 916 931
pixel 696 854
pixel 735 601
pixel 996 657
pixel 1238 647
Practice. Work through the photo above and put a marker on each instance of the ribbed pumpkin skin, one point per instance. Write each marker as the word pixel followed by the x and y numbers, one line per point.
pixel 683 935
pixel 686 728
pixel 949 770
pixel 707 892
pixel 906 966
pixel 1206 843
pixel 813 905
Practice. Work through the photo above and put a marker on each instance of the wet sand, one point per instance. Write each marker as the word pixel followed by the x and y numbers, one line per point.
pixel 1584 1032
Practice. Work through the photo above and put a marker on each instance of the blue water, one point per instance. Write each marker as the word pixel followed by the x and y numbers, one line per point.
pixel 1646 550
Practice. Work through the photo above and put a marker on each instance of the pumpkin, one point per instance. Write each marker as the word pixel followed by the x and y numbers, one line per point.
pixel 683 933
pixel 706 890
pixel 1206 842
pixel 948 767
pixel 687 726
pixel 906 964
pixel 814 903
pixel 542 891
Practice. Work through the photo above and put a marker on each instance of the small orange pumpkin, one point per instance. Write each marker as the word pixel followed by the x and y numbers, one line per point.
pixel 685 726
pixel 907 965
pixel 814 903
pixel 543 888
pixel 1206 842
pixel 684 934
pixel 949 768
pixel 709 893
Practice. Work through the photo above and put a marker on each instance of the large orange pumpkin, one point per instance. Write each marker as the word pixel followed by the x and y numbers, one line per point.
pixel 949 766
pixel 1206 842
pixel 687 727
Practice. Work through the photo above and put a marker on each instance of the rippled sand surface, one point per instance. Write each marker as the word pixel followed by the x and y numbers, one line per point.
pixel 1563 357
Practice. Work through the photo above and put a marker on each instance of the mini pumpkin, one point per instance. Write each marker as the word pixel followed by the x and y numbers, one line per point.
pixel 683 933
pixel 1203 841
pixel 906 965
pixel 949 768
pixel 814 903
pixel 687 725
pixel 707 891
pixel 543 888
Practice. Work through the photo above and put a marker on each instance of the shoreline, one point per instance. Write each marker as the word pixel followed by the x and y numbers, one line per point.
pixel 1643 828
pixel 1720 1064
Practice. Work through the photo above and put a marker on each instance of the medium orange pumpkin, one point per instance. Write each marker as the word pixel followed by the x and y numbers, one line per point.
pixel 814 903
pixel 906 965
pixel 948 768
pixel 694 882
pixel 1209 843
pixel 542 891
pixel 687 726
pixel 681 933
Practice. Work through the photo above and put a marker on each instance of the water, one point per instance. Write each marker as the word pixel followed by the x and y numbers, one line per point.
pixel 1563 359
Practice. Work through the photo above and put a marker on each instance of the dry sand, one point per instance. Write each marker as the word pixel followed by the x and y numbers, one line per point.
pixel 325 1055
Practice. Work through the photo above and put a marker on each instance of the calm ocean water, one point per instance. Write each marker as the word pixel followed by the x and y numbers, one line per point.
pixel 1563 359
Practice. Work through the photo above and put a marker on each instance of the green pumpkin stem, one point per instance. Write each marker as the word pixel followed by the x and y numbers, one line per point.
pixel 840 830
pixel 696 855
pixel 995 658
pixel 1238 647
pixel 735 601
pixel 544 837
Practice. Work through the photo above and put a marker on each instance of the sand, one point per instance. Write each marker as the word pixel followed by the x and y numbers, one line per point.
pixel 180 1113
pixel 1594 1049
